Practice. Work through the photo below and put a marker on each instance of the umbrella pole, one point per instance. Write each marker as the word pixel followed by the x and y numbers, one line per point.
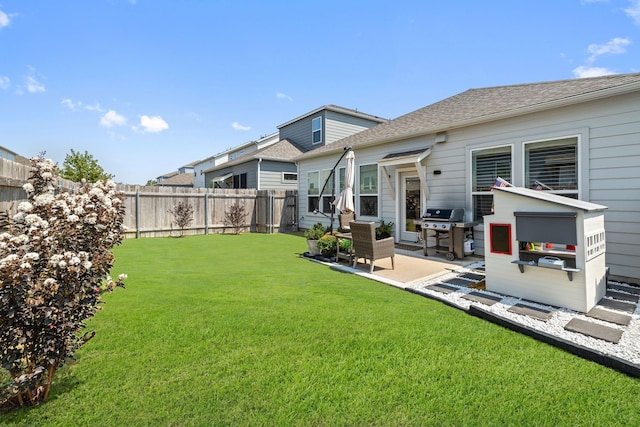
pixel 333 188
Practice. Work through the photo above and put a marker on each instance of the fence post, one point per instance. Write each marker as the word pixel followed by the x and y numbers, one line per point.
pixel 137 212
pixel 206 211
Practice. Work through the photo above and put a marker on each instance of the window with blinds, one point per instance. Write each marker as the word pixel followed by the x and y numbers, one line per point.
pixel 487 166
pixel 552 166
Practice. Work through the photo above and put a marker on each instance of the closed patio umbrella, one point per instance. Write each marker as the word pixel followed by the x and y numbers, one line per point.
pixel 344 201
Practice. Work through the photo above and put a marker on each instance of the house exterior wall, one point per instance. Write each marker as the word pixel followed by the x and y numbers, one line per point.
pixel 250 168
pixel 271 175
pixel 608 132
pixel 300 132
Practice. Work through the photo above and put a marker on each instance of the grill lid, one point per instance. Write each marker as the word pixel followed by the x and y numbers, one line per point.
pixel 450 215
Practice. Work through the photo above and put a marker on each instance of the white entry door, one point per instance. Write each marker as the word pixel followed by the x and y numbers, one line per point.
pixel 410 207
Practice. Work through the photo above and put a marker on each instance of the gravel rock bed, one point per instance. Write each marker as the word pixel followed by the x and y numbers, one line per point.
pixel 627 349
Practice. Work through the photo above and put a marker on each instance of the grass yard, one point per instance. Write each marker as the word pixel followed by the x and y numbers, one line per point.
pixel 239 330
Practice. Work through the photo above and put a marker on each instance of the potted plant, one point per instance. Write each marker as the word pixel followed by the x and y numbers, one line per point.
pixel 313 235
pixel 327 245
pixel 384 230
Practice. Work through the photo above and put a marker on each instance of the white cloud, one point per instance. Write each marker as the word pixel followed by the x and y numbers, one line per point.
pixel 633 11
pixel 73 106
pixel 614 46
pixel 111 118
pixel 238 126
pixel 4 20
pixel 152 124
pixel 584 71
pixel 281 95
pixel 96 107
pixel 77 106
pixel 33 85
pixel 4 82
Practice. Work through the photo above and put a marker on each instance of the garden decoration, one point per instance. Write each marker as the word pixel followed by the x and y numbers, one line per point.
pixel 54 267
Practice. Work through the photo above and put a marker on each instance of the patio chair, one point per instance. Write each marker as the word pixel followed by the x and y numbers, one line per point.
pixel 344 219
pixel 366 246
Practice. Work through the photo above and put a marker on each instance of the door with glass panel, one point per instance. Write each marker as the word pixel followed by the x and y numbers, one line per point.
pixel 410 208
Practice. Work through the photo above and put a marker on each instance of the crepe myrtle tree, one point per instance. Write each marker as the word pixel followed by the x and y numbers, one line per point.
pixel 183 215
pixel 54 268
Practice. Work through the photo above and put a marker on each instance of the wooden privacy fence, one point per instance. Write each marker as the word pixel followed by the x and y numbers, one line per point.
pixel 148 210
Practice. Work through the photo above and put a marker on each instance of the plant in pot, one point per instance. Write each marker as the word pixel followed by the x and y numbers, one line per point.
pixel 327 245
pixel 313 235
pixel 384 230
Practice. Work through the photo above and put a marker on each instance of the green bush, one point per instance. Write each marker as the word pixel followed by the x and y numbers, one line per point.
pixel 384 230
pixel 327 244
pixel 316 232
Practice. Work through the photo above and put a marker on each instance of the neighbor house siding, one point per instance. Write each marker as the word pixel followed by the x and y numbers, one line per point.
pixel 338 126
pixel 299 132
pixel 271 175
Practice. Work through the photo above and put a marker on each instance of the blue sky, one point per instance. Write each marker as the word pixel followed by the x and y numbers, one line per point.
pixel 147 86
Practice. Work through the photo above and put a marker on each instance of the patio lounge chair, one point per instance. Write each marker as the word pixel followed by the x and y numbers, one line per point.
pixel 366 246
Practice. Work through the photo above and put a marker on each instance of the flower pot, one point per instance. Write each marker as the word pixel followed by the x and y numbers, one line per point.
pixel 313 247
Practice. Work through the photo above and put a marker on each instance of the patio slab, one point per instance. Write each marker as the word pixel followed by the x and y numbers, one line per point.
pixel 535 312
pixel 609 316
pixel 617 305
pixel 625 288
pixel 458 282
pixel 442 288
pixel 594 330
pixel 621 296
pixel 473 276
pixel 482 298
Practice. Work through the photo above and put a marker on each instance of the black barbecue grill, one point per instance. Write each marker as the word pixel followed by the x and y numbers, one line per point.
pixel 449 227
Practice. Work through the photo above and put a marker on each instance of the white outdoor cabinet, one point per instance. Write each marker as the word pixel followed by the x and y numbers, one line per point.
pixel 545 248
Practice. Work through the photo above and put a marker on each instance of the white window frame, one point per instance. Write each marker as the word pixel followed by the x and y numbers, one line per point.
pixel 317 187
pixel 475 193
pixel 363 186
pixel 550 142
pixel 315 130
pixel 288 181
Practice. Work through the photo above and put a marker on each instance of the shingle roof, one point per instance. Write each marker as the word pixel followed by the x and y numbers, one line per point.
pixel 283 150
pixel 178 180
pixel 483 105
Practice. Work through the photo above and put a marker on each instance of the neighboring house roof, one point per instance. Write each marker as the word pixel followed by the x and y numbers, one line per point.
pixel 476 106
pixel 337 109
pixel 282 151
pixel 178 180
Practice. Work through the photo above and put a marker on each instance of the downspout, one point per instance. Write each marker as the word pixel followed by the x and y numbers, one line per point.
pixel 258 178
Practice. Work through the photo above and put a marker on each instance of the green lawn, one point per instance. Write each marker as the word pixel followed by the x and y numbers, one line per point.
pixel 239 330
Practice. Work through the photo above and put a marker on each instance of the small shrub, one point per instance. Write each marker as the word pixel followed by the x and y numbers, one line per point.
pixel 327 244
pixel 183 215
pixel 316 232
pixel 235 217
pixel 384 230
